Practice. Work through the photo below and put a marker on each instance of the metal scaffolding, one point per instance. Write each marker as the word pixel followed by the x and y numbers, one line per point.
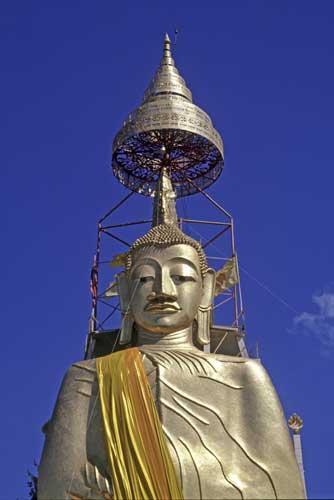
pixel 104 323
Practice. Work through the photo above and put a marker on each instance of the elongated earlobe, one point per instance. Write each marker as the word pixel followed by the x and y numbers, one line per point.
pixel 203 325
pixel 127 318
pixel 126 329
pixel 204 313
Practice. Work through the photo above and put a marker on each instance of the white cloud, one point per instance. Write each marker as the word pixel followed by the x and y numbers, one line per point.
pixel 325 301
pixel 319 324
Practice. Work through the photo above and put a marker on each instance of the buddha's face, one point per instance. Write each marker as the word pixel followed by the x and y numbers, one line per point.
pixel 165 287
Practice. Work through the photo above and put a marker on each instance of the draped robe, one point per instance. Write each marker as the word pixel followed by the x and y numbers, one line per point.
pixel 221 418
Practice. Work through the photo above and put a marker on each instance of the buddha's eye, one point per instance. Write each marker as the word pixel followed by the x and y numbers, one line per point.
pixel 146 279
pixel 178 278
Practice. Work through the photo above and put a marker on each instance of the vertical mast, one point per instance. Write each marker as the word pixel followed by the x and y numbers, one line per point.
pixel 296 424
pixel 164 211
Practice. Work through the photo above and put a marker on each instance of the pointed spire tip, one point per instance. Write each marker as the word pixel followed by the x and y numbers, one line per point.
pixel 167 79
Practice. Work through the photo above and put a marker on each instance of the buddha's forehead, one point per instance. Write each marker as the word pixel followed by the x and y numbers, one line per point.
pixel 167 255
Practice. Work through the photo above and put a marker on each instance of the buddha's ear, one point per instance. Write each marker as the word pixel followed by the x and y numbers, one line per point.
pixel 204 313
pixel 209 282
pixel 124 299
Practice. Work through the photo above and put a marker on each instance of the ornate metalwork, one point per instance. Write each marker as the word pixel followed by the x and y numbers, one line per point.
pixel 169 131
pixel 295 423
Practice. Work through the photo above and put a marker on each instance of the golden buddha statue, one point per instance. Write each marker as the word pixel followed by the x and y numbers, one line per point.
pixel 163 419
pixel 222 422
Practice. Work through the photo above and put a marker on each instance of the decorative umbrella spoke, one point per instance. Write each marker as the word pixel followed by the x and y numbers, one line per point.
pixel 137 162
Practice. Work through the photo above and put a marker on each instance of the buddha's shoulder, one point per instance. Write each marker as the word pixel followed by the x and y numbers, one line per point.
pixel 87 366
pixel 78 374
pixel 223 358
pixel 251 367
pixel 78 385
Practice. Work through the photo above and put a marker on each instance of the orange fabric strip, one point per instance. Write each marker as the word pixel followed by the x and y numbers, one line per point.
pixel 140 462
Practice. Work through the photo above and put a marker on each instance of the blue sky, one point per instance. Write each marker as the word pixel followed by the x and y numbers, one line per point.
pixel 71 71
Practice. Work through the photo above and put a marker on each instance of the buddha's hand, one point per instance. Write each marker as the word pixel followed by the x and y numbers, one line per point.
pixel 99 485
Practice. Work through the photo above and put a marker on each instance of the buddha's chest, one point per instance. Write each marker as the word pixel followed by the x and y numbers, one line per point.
pixel 195 405
pixel 204 411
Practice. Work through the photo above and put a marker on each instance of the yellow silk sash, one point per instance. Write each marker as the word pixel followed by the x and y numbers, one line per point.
pixel 140 462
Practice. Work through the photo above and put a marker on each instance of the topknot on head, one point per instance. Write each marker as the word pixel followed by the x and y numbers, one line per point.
pixel 163 236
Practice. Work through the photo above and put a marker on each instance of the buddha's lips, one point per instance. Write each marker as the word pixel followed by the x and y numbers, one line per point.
pixel 162 307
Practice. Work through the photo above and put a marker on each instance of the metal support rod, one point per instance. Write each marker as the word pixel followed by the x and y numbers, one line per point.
pixel 240 293
pixel 108 317
pixel 116 206
pixel 236 315
pixel 227 293
pixel 232 237
pixel 127 224
pixel 96 264
pixel 207 196
pixel 223 302
pixel 215 258
pixel 220 233
pixel 116 238
pixel 114 308
pixel 220 342
pixel 235 291
pixel 242 347
pixel 207 222
pixel 98 324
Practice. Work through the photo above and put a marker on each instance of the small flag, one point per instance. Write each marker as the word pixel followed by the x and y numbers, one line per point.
pixel 93 282
pixel 227 276
pixel 111 290
pixel 118 260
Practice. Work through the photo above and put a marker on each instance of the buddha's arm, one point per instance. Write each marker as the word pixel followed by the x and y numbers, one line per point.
pixel 267 432
pixel 64 463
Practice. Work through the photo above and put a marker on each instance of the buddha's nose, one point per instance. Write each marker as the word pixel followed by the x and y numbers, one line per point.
pixel 164 285
pixel 161 297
